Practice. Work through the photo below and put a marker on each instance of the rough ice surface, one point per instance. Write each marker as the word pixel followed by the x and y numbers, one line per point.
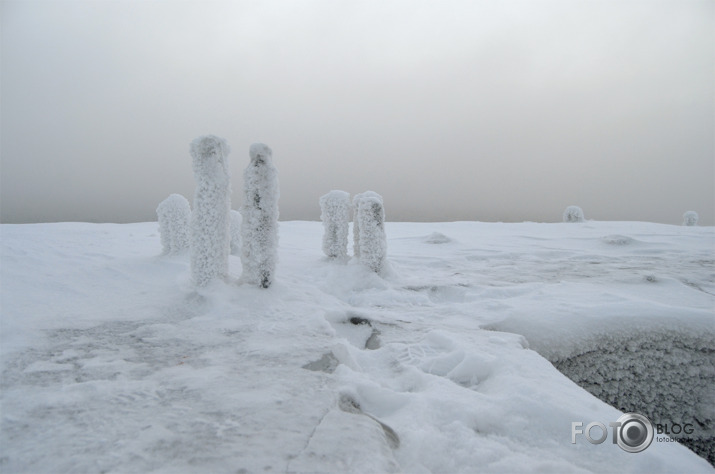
pixel 174 215
pixel 690 218
pixel 573 214
pixel 373 241
pixel 335 215
pixel 210 239
pixel 110 361
pixel 236 220
pixel 356 224
pixel 259 229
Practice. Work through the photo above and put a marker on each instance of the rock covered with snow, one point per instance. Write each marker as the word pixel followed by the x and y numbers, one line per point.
pixel 259 229
pixel 335 214
pixel 174 214
pixel 690 218
pixel 573 214
pixel 210 239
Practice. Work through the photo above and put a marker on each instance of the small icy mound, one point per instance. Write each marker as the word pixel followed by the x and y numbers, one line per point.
pixel 618 240
pixel 437 238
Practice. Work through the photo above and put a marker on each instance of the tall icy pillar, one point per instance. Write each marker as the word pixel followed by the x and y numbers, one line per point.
pixel 373 242
pixel 335 214
pixel 210 238
pixel 356 222
pixel 259 228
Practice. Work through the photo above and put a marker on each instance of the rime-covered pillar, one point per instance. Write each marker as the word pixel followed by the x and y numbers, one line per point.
pixel 573 214
pixel 335 214
pixel 690 218
pixel 174 214
pixel 210 238
pixel 373 242
pixel 356 222
pixel 259 229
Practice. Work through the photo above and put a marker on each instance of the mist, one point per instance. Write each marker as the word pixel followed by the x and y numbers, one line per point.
pixel 458 110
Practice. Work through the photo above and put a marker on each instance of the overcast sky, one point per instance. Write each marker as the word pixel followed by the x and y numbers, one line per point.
pixel 452 110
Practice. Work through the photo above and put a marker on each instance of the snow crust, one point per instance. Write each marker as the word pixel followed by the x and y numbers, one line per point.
pixel 259 229
pixel 112 362
pixel 174 215
pixel 335 214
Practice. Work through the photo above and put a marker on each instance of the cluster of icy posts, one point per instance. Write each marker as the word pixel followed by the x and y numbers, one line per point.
pixel 369 240
pixel 575 214
pixel 213 230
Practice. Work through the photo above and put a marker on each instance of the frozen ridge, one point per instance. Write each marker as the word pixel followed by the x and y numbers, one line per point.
pixel 111 362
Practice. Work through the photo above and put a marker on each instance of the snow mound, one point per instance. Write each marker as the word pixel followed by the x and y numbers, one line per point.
pixel 437 238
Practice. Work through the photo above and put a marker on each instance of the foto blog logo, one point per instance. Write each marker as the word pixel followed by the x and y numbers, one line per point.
pixel 632 432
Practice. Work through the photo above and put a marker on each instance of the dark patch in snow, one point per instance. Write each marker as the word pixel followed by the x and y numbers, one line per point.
pixel 328 363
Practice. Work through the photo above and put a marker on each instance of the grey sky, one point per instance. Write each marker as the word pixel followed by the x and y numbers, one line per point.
pixel 468 110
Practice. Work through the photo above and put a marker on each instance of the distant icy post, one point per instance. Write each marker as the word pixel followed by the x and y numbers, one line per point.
pixel 690 218
pixel 212 202
pixel 573 214
pixel 236 220
pixel 373 242
pixel 259 230
pixel 174 214
pixel 335 214
pixel 356 223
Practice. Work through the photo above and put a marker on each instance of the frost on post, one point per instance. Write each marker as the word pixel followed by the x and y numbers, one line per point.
pixel 573 214
pixel 236 233
pixel 259 230
pixel 173 214
pixel 210 238
pixel 356 223
pixel 335 214
pixel 690 218
pixel 373 242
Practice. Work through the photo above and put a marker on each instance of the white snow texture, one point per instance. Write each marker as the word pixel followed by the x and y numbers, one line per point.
pixel 236 220
pixel 690 218
pixel 210 238
pixel 573 214
pixel 260 217
pixel 356 223
pixel 174 214
pixel 335 214
pixel 373 242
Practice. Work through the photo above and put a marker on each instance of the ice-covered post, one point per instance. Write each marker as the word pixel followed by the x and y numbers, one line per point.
pixel 335 214
pixel 236 233
pixel 690 218
pixel 259 229
pixel 210 238
pixel 174 214
pixel 573 214
pixel 373 242
pixel 356 222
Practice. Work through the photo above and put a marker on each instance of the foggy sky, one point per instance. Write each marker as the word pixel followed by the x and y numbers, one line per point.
pixel 452 110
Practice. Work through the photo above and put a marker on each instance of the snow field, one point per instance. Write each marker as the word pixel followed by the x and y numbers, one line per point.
pixel 112 362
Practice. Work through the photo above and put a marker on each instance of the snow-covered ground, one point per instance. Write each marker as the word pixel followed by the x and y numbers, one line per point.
pixel 112 363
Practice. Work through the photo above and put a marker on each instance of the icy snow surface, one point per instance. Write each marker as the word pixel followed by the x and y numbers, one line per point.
pixel 112 363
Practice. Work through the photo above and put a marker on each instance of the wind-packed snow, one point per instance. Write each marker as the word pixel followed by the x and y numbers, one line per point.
pixel 111 362
pixel 210 222
pixel 236 220
pixel 174 214
pixel 335 215
pixel 259 229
